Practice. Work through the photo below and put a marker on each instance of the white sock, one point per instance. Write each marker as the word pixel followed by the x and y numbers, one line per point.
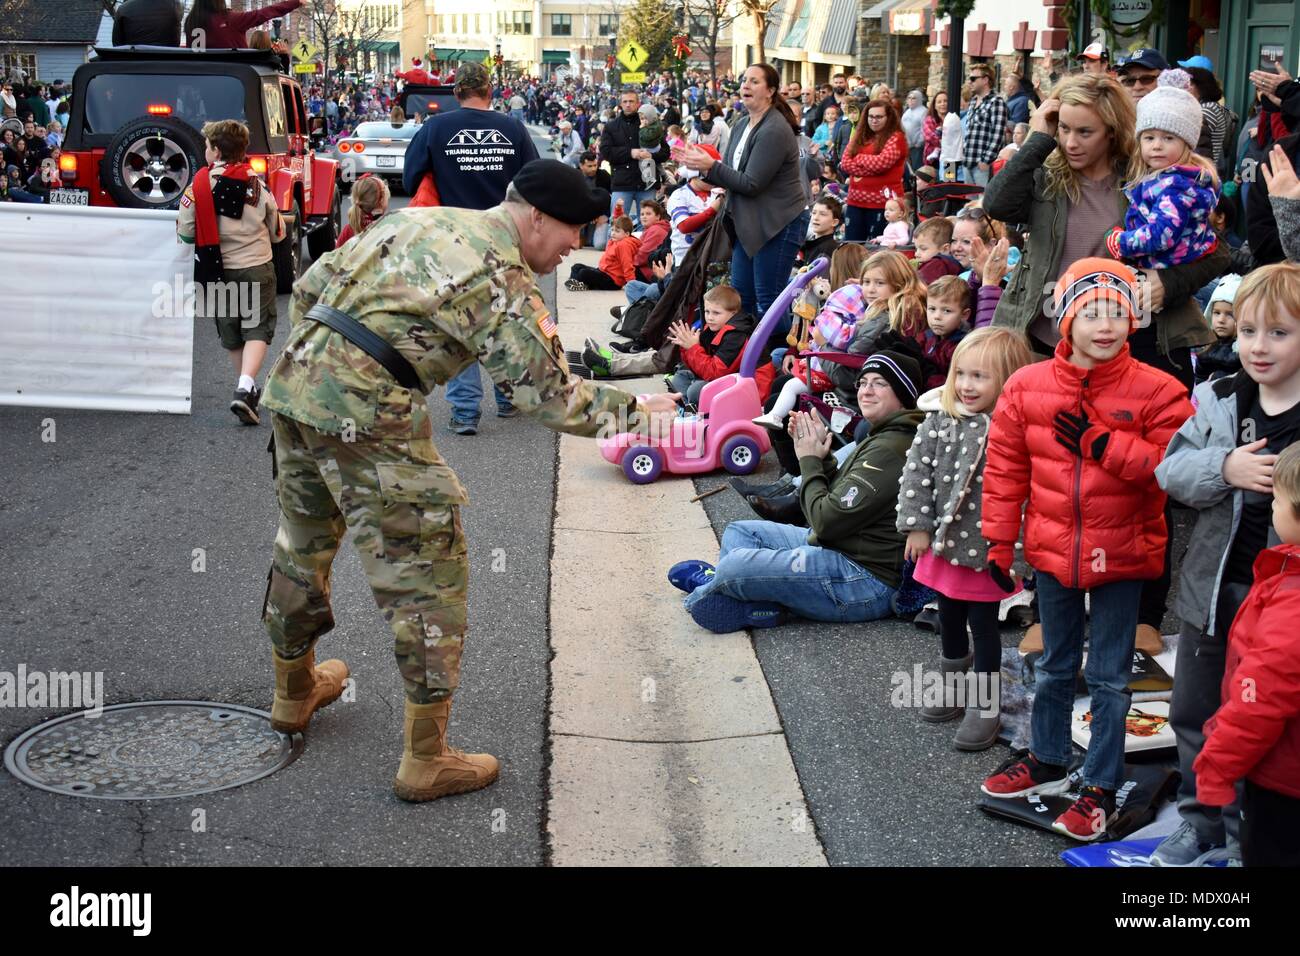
pixel 789 397
pixel 247 383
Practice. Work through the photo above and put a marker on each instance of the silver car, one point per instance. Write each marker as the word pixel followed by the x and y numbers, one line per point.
pixel 377 147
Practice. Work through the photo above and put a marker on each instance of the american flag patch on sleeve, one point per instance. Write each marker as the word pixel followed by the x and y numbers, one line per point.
pixel 547 325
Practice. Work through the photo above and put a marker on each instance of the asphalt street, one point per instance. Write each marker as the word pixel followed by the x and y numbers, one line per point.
pixel 97 538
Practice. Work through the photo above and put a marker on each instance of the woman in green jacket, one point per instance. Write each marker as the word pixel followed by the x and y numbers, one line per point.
pixel 1065 184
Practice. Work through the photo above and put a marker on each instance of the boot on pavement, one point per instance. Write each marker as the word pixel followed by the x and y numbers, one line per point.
pixel 430 769
pixel 783 509
pixel 1033 639
pixel 302 688
pixel 980 724
pixel 1148 639
pixel 947 709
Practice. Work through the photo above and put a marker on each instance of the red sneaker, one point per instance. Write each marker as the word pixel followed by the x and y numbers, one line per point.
pixel 1089 816
pixel 1023 774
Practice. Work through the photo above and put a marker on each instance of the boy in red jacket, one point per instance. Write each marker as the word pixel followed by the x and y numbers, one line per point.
pixel 1079 438
pixel 713 351
pixel 617 262
pixel 1255 734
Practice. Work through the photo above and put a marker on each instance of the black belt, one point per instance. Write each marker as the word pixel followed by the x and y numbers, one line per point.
pixel 369 342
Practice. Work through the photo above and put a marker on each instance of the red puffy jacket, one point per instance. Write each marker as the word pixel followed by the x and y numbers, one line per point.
pixel 718 353
pixel 1256 731
pixel 872 174
pixel 1087 523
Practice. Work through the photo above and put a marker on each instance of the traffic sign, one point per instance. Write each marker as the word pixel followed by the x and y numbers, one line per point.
pixel 629 76
pixel 304 50
pixel 633 55
pixel 305 67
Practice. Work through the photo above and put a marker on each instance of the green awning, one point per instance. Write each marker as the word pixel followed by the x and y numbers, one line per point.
pixel 378 46
pixel 555 56
pixel 448 53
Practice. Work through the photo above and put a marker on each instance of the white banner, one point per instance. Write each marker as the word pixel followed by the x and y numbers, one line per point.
pixel 94 313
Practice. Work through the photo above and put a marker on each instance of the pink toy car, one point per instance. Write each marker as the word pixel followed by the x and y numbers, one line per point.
pixel 723 434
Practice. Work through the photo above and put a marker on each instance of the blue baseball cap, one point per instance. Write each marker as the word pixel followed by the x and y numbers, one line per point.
pixel 1144 57
pixel 1203 62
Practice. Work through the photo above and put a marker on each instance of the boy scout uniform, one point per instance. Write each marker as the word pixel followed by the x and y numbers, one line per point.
pixel 354 449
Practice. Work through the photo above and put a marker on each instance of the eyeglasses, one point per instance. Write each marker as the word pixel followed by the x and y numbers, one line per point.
pixel 971 212
pixel 978 76
pixel 1132 81
pixel 875 384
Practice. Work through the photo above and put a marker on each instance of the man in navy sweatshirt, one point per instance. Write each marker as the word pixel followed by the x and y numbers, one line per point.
pixel 472 154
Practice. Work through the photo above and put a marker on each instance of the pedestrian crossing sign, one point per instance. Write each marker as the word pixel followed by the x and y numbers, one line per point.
pixel 633 55
pixel 303 50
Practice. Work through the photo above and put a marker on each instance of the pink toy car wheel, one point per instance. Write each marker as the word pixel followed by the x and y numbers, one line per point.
pixel 642 464
pixel 740 455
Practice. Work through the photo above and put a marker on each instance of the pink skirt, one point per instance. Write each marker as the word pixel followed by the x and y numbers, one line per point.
pixel 957 582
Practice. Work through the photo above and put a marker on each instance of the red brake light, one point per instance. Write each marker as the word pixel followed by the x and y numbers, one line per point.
pixel 68 163
pixel 258 164
pixel 159 109
pixel 345 147
pixel 359 148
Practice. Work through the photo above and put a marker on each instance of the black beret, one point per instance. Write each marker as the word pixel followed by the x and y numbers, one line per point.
pixel 561 191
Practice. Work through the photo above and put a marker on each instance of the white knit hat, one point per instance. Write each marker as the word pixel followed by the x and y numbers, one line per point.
pixel 1171 107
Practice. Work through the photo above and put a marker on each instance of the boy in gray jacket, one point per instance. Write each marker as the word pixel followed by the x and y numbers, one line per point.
pixel 1221 463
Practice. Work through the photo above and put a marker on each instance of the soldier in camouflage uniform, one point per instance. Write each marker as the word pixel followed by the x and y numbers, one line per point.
pixel 354 449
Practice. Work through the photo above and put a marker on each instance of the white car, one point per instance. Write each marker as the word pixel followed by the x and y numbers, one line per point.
pixel 377 147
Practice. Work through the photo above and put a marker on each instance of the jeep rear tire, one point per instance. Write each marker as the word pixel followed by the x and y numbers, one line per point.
pixel 150 161
pixel 287 253
pixel 323 238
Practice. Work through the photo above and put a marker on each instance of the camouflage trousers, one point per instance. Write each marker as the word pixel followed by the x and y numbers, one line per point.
pixel 402 503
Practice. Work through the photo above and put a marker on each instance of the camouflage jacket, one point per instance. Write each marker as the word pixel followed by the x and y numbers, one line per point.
pixel 445 287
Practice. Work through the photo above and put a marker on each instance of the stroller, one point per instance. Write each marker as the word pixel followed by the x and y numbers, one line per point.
pixel 935 198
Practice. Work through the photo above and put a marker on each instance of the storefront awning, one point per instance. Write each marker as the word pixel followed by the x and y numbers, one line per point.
pixel 774 18
pixel 841 36
pixel 555 56
pixel 466 56
pixel 378 46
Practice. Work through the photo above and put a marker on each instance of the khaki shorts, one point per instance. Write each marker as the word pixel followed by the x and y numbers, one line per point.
pixel 243 306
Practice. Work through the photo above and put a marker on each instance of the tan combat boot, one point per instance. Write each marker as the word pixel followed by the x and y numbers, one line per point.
pixel 1033 639
pixel 1148 639
pixel 302 688
pixel 430 769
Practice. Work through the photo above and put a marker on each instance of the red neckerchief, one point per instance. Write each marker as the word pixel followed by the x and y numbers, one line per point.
pixel 208 265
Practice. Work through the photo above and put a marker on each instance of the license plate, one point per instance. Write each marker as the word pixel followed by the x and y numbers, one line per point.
pixel 69 197
pixel 386 161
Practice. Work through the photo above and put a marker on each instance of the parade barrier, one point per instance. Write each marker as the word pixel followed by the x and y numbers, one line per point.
pixel 96 309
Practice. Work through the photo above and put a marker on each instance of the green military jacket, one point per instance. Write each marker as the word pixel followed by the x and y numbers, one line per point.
pixel 445 287
pixel 852 508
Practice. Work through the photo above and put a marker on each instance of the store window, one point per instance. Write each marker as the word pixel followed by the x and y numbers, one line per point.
pixel 608 25
pixel 561 25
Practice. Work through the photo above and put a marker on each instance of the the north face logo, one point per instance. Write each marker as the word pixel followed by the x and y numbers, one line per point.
pixel 479 137
pixel 1123 415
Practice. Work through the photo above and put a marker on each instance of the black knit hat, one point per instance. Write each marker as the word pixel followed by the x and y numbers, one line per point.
pixel 902 372
pixel 561 191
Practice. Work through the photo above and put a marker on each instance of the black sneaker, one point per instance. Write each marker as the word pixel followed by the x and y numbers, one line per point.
pixel 1023 775
pixel 616 311
pixel 245 406
pixel 458 427
pixel 629 348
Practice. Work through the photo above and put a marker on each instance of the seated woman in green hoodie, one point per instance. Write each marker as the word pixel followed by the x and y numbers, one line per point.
pixel 846 565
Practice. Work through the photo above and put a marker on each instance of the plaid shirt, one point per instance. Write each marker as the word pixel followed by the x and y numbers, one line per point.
pixel 987 130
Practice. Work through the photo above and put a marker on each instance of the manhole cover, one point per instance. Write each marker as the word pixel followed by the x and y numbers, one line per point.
pixel 151 751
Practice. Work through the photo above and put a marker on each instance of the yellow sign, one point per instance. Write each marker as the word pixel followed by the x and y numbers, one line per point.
pixel 304 50
pixel 304 68
pixel 629 76
pixel 633 55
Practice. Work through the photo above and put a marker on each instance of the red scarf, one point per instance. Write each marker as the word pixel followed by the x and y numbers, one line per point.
pixel 236 186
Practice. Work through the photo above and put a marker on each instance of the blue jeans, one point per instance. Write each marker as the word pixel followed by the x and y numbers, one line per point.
pixel 635 289
pixel 861 224
pixel 1110 655
pixel 761 279
pixel 766 561
pixel 465 395
pixel 631 204
pixel 519 115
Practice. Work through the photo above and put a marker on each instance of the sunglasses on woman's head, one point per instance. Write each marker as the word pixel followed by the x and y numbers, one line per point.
pixel 971 212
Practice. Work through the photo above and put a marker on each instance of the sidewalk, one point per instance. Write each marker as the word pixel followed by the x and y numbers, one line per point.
pixel 666 748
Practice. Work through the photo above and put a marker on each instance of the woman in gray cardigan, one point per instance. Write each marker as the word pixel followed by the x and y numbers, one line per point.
pixel 766 197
